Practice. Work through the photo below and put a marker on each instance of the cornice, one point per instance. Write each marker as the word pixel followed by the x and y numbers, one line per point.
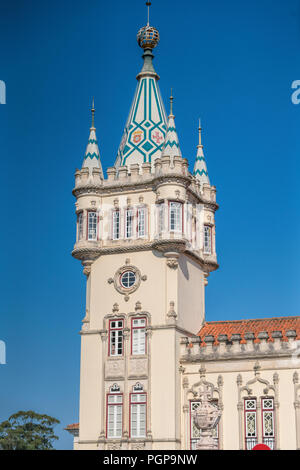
pixel 93 252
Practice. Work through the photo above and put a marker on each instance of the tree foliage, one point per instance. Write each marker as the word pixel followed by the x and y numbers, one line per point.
pixel 27 430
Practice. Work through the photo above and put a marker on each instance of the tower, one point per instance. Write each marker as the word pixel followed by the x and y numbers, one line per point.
pixel 146 240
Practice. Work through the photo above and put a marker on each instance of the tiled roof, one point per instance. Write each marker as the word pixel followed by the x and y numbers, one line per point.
pixel 269 325
pixel 72 427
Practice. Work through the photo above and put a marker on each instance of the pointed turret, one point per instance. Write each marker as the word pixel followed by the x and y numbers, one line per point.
pixel 200 169
pixel 145 130
pixel 92 154
pixel 171 146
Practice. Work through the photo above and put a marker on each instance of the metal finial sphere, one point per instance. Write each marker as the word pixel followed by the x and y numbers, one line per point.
pixel 148 37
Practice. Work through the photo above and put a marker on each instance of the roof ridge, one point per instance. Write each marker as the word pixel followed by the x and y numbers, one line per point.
pixel 250 319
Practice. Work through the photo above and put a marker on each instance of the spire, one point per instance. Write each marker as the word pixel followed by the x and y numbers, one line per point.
pixel 200 169
pixel 92 154
pixel 146 126
pixel 171 146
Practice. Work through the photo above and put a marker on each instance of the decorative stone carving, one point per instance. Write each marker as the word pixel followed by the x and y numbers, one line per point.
pixel 172 315
pixel 114 445
pixel 172 263
pixel 115 308
pixel 138 446
pixel 138 367
pixel 117 283
pixel 206 417
pixel 114 368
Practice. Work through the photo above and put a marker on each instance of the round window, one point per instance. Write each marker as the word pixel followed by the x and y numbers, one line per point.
pixel 128 279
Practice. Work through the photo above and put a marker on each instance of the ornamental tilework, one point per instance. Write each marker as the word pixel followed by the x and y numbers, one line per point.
pixel 145 130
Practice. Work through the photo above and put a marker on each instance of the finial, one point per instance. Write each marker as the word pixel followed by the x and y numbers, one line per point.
pixel 93 112
pixel 148 37
pixel 171 102
pixel 148 5
pixel 200 129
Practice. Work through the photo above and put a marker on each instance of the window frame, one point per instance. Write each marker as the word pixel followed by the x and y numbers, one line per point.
pixel 205 252
pixel 130 412
pixel 110 330
pixel 246 412
pixel 161 217
pixel 122 274
pixel 145 211
pixel 272 410
pixel 126 212
pixel 142 317
pixel 181 230
pixel 91 211
pixel 80 215
pixel 114 405
pixel 116 211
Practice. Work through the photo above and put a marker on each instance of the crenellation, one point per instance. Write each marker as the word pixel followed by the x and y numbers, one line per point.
pixel 249 337
pixel 111 173
pixel 263 344
pixel 277 337
pixel 193 349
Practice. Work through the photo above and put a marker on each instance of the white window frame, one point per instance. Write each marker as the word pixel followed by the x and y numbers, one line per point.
pixel 141 227
pixel 129 217
pixel 138 336
pixel 161 217
pixel 116 225
pixel 114 416
pixel 207 240
pixel 138 415
pixel 269 440
pixel 80 226
pixel 250 441
pixel 175 216
pixel 92 225
pixel 116 340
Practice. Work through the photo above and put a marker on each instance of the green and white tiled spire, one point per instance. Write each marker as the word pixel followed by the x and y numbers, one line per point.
pixel 200 168
pixel 145 130
pixel 92 154
pixel 171 146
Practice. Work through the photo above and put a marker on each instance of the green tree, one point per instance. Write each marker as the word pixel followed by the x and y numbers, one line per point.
pixel 27 430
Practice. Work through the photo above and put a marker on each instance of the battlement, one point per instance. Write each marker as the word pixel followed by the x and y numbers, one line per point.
pixel 195 349
pixel 135 175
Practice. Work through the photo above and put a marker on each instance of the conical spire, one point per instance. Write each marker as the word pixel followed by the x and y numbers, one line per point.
pixel 200 169
pixel 92 154
pixel 146 126
pixel 171 146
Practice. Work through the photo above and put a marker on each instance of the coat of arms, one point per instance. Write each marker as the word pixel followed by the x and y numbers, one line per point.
pixel 137 136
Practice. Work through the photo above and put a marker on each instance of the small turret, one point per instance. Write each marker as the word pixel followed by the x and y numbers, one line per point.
pixel 200 168
pixel 171 146
pixel 92 154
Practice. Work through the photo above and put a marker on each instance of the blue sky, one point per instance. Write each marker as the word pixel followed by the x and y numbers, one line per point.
pixel 232 63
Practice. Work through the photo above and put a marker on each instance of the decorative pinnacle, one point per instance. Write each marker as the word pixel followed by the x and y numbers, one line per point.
pixel 171 102
pixel 93 112
pixel 148 5
pixel 200 129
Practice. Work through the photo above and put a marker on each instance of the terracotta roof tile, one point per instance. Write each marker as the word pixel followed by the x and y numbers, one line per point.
pixel 71 427
pixel 229 328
